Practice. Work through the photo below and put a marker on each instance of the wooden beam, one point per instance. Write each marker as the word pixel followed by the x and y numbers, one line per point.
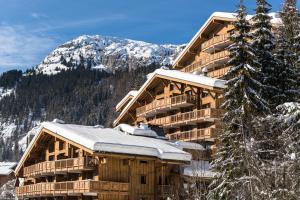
pixel 132 116
pixel 194 89
pixel 149 93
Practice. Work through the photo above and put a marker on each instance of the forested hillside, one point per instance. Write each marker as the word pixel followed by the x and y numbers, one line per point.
pixel 80 95
pixel 79 82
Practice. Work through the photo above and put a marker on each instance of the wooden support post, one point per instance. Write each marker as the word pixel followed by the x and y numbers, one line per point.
pixel 199 98
pixel 56 148
pixel 182 88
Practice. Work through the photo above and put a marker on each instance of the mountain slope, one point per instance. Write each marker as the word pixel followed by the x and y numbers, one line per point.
pixel 107 53
pixel 77 91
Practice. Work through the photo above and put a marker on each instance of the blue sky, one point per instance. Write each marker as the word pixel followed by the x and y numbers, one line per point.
pixel 30 29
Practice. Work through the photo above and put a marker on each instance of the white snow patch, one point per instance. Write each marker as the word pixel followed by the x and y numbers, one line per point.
pixel 7 167
pixel 5 92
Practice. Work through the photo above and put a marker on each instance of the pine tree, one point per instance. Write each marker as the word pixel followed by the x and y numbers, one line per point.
pixel 264 44
pixel 242 104
pixel 283 180
pixel 287 54
pixel 290 28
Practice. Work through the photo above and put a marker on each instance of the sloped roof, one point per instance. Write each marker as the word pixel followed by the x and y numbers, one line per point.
pixel 112 141
pixel 129 95
pixel 226 16
pixel 7 168
pixel 192 79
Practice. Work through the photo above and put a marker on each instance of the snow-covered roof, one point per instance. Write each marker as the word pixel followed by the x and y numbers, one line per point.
pixel 198 169
pixel 188 145
pixel 193 79
pixel 129 95
pixel 224 15
pixel 112 141
pixel 7 168
pixel 137 131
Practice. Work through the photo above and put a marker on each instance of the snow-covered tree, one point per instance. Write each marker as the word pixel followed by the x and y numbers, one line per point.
pixel 264 44
pixel 242 104
pixel 287 53
pixel 290 29
pixel 281 175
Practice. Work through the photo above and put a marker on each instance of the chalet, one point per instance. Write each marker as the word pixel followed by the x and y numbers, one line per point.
pixel 7 172
pixel 65 161
pixel 186 101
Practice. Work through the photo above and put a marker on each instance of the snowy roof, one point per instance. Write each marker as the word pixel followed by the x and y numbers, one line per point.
pixel 198 169
pixel 137 131
pixel 113 141
pixel 7 168
pixel 129 95
pixel 188 145
pixel 230 17
pixel 192 79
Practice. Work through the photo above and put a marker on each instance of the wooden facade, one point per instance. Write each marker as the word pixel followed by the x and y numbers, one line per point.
pixel 185 111
pixel 58 168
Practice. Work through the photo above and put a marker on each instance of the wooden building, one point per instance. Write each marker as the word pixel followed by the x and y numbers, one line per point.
pixel 7 172
pixel 185 101
pixel 66 161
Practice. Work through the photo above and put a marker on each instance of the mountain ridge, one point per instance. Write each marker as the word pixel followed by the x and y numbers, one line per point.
pixel 81 81
pixel 107 53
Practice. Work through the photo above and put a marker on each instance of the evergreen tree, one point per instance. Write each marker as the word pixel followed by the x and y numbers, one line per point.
pixel 290 30
pixel 264 44
pixel 242 104
pixel 283 180
pixel 287 54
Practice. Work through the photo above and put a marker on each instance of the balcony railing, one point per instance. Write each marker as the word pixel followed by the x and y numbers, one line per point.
pixel 208 134
pixel 218 73
pixel 210 61
pixel 58 166
pixel 159 106
pixel 216 43
pixel 188 118
pixel 70 188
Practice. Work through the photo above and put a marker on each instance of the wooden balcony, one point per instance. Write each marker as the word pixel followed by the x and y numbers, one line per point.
pixel 188 118
pixel 211 61
pixel 218 73
pixel 216 43
pixel 207 134
pixel 59 166
pixel 167 104
pixel 70 188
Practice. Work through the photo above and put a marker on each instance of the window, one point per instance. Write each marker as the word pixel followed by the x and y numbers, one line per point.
pixel 51 158
pixel 143 179
pixel 61 145
pixel 143 162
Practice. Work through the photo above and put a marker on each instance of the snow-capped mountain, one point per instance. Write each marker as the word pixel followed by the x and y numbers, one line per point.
pixel 80 96
pixel 107 53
